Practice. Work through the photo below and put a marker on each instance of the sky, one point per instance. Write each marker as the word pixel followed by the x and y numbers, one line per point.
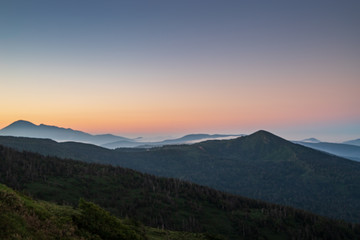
pixel 151 68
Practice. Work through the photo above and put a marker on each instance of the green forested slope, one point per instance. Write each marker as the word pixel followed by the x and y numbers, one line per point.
pixel 164 203
pixel 261 166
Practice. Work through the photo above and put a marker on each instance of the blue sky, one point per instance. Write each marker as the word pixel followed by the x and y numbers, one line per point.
pixel 177 67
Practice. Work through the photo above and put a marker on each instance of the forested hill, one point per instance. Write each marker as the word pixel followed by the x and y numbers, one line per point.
pixel 165 203
pixel 261 166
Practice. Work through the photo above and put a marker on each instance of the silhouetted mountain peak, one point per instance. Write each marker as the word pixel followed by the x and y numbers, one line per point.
pixel 262 132
pixel 23 128
pixel 265 137
pixel 20 124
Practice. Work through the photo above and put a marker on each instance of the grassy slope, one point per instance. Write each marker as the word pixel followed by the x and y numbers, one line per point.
pixel 24 218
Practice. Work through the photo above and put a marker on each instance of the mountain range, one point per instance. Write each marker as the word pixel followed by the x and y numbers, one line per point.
pixel 261 166
pixel 187 139
pixel 142 201
pixel 23 128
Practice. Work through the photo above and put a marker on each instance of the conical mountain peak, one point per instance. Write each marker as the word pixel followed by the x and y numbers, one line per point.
pixel 265 137
pixel 20 124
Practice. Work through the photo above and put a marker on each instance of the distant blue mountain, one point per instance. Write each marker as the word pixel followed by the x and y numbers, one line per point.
pixel 23 128
pixel 348 151
pixel 311 140
pixel 353 142
pixel 187 139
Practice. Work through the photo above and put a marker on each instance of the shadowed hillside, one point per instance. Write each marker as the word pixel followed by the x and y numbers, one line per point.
pixel 261 166
pixel 164 203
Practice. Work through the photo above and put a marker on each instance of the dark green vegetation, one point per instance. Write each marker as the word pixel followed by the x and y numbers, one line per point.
pixel 23 218
pixel 261 166
pixel 164 203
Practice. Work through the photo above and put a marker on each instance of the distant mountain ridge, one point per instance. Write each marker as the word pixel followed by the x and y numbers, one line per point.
pixel 353 142
pixel 348 151
pixel 23 128
pixel 187 139
pixel 311 140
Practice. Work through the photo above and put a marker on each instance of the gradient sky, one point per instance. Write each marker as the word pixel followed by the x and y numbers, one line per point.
pixel 175 67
